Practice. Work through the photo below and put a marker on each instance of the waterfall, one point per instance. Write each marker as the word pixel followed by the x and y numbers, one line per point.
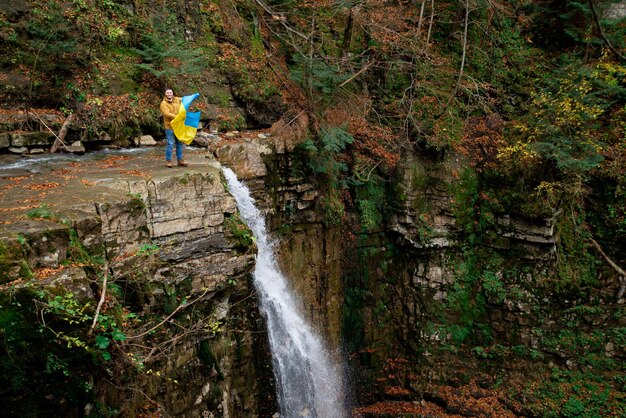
pixel 308 382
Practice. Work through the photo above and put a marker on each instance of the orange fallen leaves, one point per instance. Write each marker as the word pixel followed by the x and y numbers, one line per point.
pixel 17 179
pixel 67 171
pixel 42 186
pixel 31 200
pixel 88 183
pixel 134 173
pixel 46 272
pixel 125 255
pixel 11 284
pixel 396 391
pixel 447 401
pixel 113 161
pixel 17 208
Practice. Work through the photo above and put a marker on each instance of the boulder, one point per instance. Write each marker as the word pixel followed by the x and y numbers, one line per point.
pixel 243 157
pixel 18 150
pixel 76 148
pixel 207 140
pixel 145 141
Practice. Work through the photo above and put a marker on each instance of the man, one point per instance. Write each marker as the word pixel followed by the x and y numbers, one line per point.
pixel 169 108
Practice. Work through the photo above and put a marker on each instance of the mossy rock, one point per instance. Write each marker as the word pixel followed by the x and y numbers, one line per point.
pixel 13 263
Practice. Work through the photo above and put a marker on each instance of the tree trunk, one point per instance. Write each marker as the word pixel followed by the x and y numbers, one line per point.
pixel 347 34
pixel 58 142
pixel 432 18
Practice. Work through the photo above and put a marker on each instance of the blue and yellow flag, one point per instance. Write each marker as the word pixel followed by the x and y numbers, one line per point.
pixel 185 124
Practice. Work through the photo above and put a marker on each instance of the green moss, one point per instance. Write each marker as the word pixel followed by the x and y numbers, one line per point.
pixel 184 180
pixel 41 212
pixel 242 235
pixel 13 261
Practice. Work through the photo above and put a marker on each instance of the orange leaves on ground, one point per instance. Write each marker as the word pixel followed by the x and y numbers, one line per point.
pixel 113 161
pixel 68 172
pixel 88 183
pixel 44 273
pixel 472 400
pixel 134 173
pixel 18 208
pixel 11 284
pixel 418 409
pixel 8 186
pixel 445 401
pixel 396 391
pixel 251 67
pixel 18 178
pixel 125 255
pixel 31 200
pixel 14 182
pixel 42 186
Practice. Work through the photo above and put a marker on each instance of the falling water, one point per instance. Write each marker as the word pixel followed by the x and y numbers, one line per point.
pixel 309 383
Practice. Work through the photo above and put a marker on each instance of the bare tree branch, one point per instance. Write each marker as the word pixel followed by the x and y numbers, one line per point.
pixel 617 268
pixel 602 34
pixel 184 305
pixel 358 73
pixel 102 297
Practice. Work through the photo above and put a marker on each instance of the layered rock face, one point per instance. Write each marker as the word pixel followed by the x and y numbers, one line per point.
pixel 193 340
pixel 454 299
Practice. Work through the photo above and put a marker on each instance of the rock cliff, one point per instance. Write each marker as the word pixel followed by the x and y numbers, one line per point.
pixel 176 328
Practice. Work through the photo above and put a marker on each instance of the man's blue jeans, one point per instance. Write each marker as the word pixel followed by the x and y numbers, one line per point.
pixel 171 139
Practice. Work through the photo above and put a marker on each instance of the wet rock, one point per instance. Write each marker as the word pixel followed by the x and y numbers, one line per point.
pixel 19 150
pixel 37 151
pixel 29 139
pixel 145 141
pixel 76 148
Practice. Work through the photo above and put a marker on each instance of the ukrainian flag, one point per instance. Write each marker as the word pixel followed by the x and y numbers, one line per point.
pixel 185 124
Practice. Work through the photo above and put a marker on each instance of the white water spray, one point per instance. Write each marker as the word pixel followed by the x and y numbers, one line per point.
pixel 309 383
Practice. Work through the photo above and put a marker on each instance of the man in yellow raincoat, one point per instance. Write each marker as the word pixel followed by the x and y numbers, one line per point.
pixel 169 108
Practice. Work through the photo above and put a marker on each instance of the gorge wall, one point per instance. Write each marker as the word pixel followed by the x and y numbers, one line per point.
pixel 436 294
pixel 425 299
